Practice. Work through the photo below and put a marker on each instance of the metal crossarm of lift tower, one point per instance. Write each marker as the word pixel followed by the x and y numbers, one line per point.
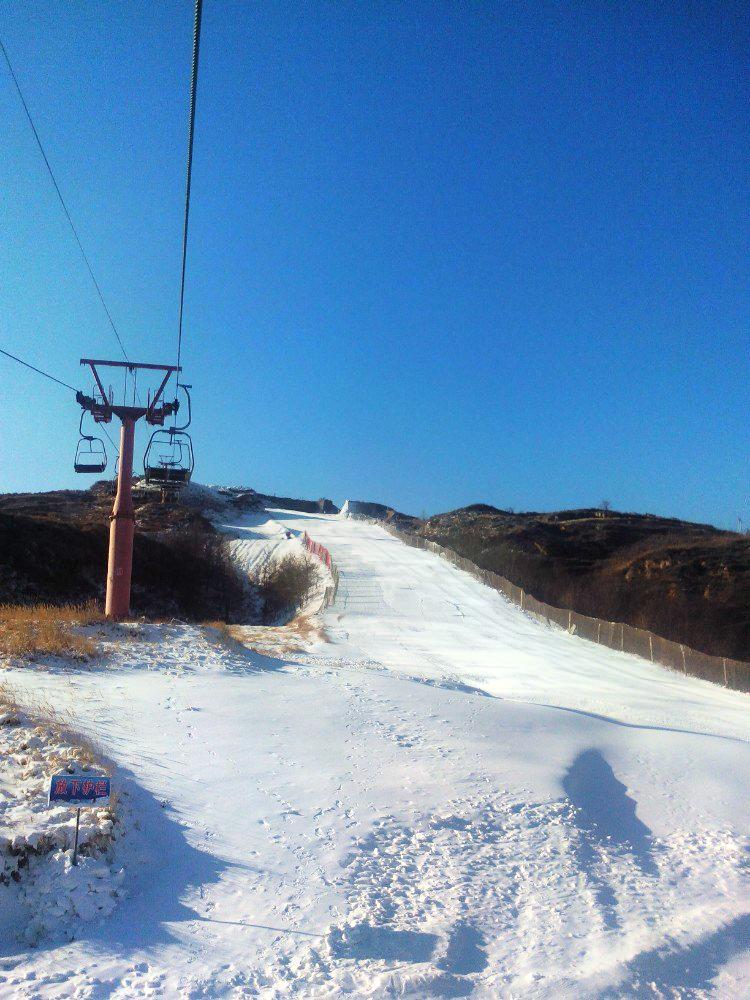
pixel 103 410
pixel 122 519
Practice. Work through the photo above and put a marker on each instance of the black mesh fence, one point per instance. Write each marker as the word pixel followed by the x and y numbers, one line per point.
pixel 615 635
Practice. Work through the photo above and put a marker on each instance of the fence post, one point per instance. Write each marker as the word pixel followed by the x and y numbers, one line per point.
pixel 724 661
pixel 622 636
pixel 598 629
pixel 570 621
pixel 682 650
pixel 651 647
pixel 522 599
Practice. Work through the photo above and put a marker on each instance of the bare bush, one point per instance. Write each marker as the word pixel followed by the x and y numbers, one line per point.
pixel 193 566
pixel 285 586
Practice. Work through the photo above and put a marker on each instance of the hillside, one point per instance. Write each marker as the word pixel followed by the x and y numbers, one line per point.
pixel 687 582
pixel 53 549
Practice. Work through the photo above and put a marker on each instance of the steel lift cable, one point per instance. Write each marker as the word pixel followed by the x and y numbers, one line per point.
pixel 62 200
pixel 37 370
pixel 191 130
pixel 107 435
pixel 52 379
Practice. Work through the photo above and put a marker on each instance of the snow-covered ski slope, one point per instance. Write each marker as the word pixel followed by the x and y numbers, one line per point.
pixel 417 614
pixel 444 799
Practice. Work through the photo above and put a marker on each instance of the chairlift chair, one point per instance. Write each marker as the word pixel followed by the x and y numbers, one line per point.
pixel 169 459
pixel 91 455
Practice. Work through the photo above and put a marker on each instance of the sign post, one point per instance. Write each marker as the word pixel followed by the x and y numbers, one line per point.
pixel 80 790
pixel 75 844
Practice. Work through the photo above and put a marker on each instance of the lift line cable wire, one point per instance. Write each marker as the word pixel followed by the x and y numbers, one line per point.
pixel 62 200
pixel 38 370
pixel 191 130
pixel 117 450
pixel 59 382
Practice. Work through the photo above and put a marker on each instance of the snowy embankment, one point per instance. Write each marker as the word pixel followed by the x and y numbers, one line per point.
pixel 42 895
pixel 256 540
pixel 444 799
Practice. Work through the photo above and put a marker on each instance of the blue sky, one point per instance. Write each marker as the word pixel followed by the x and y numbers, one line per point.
pixel 439 253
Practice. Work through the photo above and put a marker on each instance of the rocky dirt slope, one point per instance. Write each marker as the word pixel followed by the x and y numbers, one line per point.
pixel 688 582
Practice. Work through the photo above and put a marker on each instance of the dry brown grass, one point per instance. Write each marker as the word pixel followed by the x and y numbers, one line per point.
pixel 53 725
pixel 50 742
pixel 39 629
pixel 221 634
pixel 10 709
pixel 297 636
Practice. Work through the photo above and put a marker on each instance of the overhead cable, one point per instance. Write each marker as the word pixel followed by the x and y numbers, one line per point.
pixel 62 200
pixel 191 130
pixel 117 450
pixel 59 382
pixel 37 370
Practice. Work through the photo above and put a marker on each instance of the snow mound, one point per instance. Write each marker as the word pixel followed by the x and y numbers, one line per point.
pixel 365 508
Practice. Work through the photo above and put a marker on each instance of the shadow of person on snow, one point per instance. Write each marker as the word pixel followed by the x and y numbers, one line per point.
pixel 605 813
pixel 605 817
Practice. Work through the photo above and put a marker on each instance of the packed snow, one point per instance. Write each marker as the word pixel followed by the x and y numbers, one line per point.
pixel 429 795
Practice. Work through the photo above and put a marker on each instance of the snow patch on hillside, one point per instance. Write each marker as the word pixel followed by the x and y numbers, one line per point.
pixel 257 539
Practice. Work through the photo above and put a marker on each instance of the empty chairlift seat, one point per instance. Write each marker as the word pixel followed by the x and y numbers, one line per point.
pixel 91 455
pixel 168 461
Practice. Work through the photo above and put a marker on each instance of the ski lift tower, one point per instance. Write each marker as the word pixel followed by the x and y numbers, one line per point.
pixel 122 520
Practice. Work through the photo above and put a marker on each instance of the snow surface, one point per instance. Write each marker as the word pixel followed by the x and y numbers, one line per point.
pixel 260 539
pixel 445 799
pixel 41 892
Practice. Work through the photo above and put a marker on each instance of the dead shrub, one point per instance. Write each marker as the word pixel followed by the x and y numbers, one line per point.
pixel 285 586
pixel 46 629
pixel 193 570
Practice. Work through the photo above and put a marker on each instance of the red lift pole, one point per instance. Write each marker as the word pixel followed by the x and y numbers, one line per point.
pixel 121 529
pixel 122 519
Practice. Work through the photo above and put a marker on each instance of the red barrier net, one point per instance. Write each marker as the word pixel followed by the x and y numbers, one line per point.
pixel 317 549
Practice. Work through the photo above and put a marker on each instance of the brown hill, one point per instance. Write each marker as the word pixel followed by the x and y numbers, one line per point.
pixel 53 549
pixel 687 582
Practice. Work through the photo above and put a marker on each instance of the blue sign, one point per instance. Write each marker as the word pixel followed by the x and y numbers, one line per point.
pixel 79 789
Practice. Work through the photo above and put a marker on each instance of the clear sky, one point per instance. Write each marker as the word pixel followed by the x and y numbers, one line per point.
pixel 439 254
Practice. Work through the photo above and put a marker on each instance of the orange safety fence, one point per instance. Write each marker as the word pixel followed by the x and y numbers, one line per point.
pixel 322 553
